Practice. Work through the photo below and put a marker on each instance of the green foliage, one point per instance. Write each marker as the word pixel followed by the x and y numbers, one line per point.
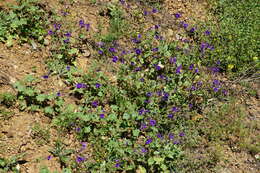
pixel 40 134
pixel 10 164
pixel 236 34
pixel 26 20
pixel 7 99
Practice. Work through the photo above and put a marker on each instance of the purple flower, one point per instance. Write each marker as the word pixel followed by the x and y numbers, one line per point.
pixel 142 79
pixel 176 142
pixel 94 104
pixel 173 60
pixel 102 116
pixel 66 40
pixel 138 69
pixel 79 85
pixel 87 26
pixel 58 94
pixel 49 157
pixel 224 92
pixel 143 150
pixel 136 41
pixel 207 32
pixel 148 141
pixel 216 82
pixel 152 122
pixel 156 26
pixel 171 136
pixel 177 15
pixel 115 59
pixel 78 129
pixel 81 23
pixel 139 36
pixel 185 25
pixel 80 159
pixel 154 10
pixel 68 68
pixel 192 29
pixel 122 2
pixel 68 34
pixel 141 111
pixel 175 109
pixel 138 51
pixel 178 70
pixel 218 62
pixel 196 70
pixel 191 67
pixel 157 67
pixel 146 13
pixel 159 135
pixel 190 105
pixel 50 32
pixel 57 26
pixel 45 77
pixel 84 145
pixel 149 94
pixel 98 85
pixel 100 52
pixel 182 134
pixel 112 50
pixel 143 126
pixel 215 69
pixel 193 88
pixel 170 116
pixel 117 165
pixel 215 89
pixel 155 49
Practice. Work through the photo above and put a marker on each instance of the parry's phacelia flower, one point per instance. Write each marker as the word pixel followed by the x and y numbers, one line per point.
pixel 157 67
pixel 117 165
pixel 142 79
pixel 175 109
pixel 138 51
pixel 176 142
pixel 50 32
pixel 80 159
pixel 112 50
pixel 57 26
pixel 178 70
pixel 68 68
pixel 185 25
pixel 143 126
pixel 149 94
pixel 218 62
pixel 173 60
pixel 100 52
pixel 45 77
pixel 81 23
pixel 159 135
pixel 115 59
pixel 58 94
pixel 84 145
pixel 143 150
pixel 192 29
pixel 177 15
pixel 68 34
pixel 146 13
pixel 182 134
pixel 196 70
pixel 94 104
pixel 207 32
pixel 66 40
pixel 155 49
pixel 98 85
pixel 148 141
pixel 79 85
pixel 215 89
pixel 191 67
pixel 154 10
pixel 171 136
pixel 190 105
pixel 87 26
pixel 49 157
pixel 170 116
pixel 152 122
pixel 102 116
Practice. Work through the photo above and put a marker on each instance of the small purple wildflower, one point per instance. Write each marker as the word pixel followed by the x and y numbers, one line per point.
pixel 190 105
pixel 79 85
pixel 84 145
pixel 224 92
pixel 141 111
pixel 138 51
pixel 196 70
pixel 176 142
pixel 215 89
pixel 94 104
pixel 185 25
pixel 148 141
pixel 215 69
pixel 170 116
pixel 66 40
pixel 58 94
pixel 139 36
pixel 112 50
pixel 154 10
pixel 175 109
pixel 146 13
pixel 155 49
pixel 173 60
pixel 49 157
pixel 171 136
pixel 218 62
pixel 115 59
pixel 98 85
pixel 57 26
pixel 68 68
pixel 50 32
pixel 80 159
pixel 207 32
pixel 100 52
pixel 78 129
pixel 81 23
pixel 182 134
pixel 157 67
pixel 102 116
pixel 143 150
pixel 143 126
pixel 177 15
pixel 68 34
pixel 152 122
pixel 149 94
pixel 159 135
pixel 136 41
pixel 178 70
pixel 117 165
pixel 142 79
pixel 191 67
pixel 45 77
pixel 192 30
pixel 87 26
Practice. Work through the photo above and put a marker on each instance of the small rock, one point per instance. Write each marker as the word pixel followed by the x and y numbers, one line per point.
pixel 86 53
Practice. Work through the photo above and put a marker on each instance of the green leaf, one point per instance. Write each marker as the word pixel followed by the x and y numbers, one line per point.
pixel 136 132
pixel 150 161
pixel 141 169
pixel 41 97
pixel 48 110
pixel 87 129
pixel 158 159
pixel 126 116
